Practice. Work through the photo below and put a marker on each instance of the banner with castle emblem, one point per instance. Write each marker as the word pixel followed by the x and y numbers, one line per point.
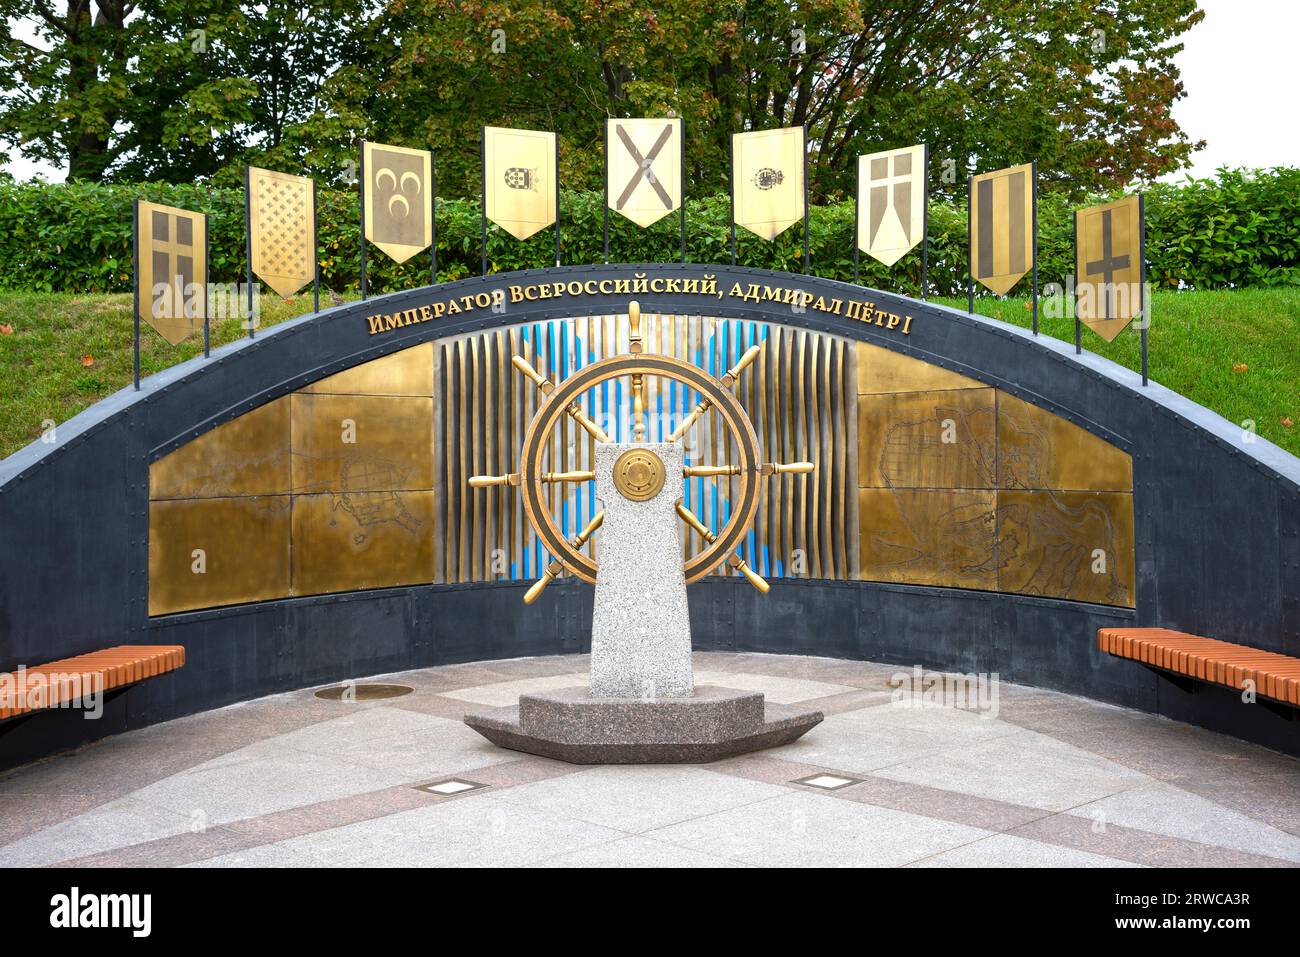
pixel 891 202
pixel 519 179
pixel 644 177
pixel 1002 227
pixel 1108 265
pixel 396 190
pixel 282 229
pixel 171 254
pixel 767 171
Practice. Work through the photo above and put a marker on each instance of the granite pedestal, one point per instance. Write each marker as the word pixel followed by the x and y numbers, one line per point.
pixel 714 723
pixel 642 706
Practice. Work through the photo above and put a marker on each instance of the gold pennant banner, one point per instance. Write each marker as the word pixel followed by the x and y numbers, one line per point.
pixel 519 179
pixel 891 202
pixel 644 180
pixel 282 229
pixel 397 185
pixel 1002 227
pixel 767 171
pixel 172 272
pixel 1108 265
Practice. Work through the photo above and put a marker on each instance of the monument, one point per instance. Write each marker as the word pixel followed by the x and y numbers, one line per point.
pixel 641 705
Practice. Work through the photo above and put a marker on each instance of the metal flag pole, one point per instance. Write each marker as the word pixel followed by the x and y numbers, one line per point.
pixel 315 249
pixel 361 197
pixel 681 179
pixel 135 284
pixel 807 260
pixel 558 217
pixel 248 243
pixel 207 287
pixel 1078 331
pixel 483 195
pixel 1033 172
pixel 857 213
pixel 731 178
pixel 607 191
pixel 1142 279
pixel 433 219
pixel 970 244
pixel 925 219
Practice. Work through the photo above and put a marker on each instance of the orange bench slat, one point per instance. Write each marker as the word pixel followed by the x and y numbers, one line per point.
pixel 66 679
pixel 1275 675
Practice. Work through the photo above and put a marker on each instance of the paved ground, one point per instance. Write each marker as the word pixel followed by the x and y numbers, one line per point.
pixel 294 780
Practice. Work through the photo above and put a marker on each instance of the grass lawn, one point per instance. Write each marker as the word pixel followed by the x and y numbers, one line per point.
pixel 1199 342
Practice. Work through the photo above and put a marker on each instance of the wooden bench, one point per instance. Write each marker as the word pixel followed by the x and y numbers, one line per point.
pixel 1274 675
pixel 58 683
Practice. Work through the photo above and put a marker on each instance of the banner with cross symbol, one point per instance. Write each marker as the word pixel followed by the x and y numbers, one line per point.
pixel 645 168
pixel 1108 265
pixel 171 255
pixel 891 202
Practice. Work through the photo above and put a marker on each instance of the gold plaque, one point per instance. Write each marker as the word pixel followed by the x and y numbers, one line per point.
pixel 1002 227
pixel 407 372
pixel 644 180
pixel 248 455
pixel 767 168
pixel 891 203
pixel 942 439
pixel 1039 450
pixel 362 443
pixel 638 475
pixel 881 370
pixel 399 201
pixel 355 540
pixel 1108 263
pixel 204 553
pixel 172 274
pixel 1075 545
pixel 929 537
pixel 519 176
pixel 282 229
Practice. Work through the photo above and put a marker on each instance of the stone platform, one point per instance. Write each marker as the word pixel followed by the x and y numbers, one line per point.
pixel 569 724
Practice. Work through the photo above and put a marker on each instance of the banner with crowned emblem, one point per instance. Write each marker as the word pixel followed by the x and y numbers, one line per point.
pixel 767 175
pixel 396 186
pixel 519 179
pixel 644 178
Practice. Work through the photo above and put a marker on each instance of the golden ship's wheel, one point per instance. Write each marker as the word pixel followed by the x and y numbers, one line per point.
pixel 639 473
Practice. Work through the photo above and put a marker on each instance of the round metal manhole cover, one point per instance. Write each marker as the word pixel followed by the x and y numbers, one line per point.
pixel 357 692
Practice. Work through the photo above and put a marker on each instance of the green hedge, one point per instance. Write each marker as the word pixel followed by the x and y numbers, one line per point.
pixel 1240 229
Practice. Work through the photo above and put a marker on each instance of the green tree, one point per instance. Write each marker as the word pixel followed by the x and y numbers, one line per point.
pixel 172 90
pixel 1083 87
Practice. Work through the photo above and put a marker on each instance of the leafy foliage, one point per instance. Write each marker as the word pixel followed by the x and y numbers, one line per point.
pixel 128 90
pixel 1241 229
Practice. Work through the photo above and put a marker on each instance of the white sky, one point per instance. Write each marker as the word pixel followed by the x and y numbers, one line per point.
pixel 1239 71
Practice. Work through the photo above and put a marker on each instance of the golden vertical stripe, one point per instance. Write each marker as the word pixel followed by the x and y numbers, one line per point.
pixel 842 454
pixel 463 433
pixel 813 481
pixel 790 421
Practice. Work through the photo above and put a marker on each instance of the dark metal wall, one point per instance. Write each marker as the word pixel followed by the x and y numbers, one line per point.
pixel 1217 532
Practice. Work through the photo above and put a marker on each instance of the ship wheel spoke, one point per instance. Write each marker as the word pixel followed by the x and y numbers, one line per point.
pixel 735 561
pixel 546 386
pixel 766 468
pixel 728 382
pixel 555 567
